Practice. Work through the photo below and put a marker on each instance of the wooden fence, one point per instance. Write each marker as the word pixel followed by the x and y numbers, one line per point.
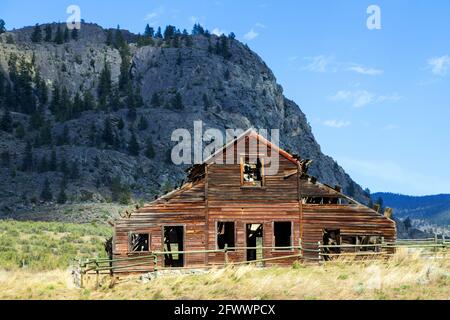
pixel 98 267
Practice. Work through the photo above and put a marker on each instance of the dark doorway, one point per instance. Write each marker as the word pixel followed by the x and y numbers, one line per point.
pixel 173 242
pixel 331 237
pixel 254 240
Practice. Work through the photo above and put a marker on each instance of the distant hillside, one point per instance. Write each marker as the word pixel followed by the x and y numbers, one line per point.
pixel 429 210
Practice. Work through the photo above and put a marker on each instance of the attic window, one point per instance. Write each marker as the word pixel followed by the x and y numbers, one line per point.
pixel 252 172
pixel 139 242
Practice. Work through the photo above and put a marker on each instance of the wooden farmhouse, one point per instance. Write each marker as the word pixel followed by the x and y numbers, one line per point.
pixel 253 215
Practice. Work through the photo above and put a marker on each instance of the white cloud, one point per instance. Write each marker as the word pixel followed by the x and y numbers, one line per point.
pixel 218 32
pixel 318 63
pixel 260 25
pixel 251 35
pixel 361 98
pixel 338 124
pixel 365 70
pixel 439 66
pixel 153 15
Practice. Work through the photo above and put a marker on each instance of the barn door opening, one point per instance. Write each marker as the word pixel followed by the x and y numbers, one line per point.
pixel 331 238
pixel 173 243
pixel 254 241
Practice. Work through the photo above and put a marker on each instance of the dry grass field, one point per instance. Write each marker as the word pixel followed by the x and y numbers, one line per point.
pixel 403 277
pixel 35 258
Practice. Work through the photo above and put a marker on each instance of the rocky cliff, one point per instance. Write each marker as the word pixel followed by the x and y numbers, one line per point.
pixel 108 147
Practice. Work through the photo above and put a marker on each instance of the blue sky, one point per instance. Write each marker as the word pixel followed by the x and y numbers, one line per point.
pixel 378 100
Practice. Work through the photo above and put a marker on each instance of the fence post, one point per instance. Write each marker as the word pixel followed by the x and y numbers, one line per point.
pixel 155 261
pixel 300 247
pixel 319 250
pixel 436 242
pixel 226 254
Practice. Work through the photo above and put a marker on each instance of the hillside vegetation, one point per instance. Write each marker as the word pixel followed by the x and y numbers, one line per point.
pixel 39 246
pixel 88 116
pixel 424 212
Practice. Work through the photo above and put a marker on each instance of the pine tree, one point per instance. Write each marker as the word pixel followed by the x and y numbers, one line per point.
pixel 59 37
pixel 46 194
pixel 88 101
pixel 62 197
pixel 53 165
pixel 109 38
pixel 169 32
pixel 64 138
pixel 120 124
pixel 63 167
pixel 6 122
pixel 133 145
pixel 43 165
pixel 93 134
pixel 104 86
pixel 78 104
pixel 177 102
pixel 66 35
pixel 206 102
pixel 119 39
pixel 36 36
pixel 48 33
pixel 27 164
pixel 108 134
pixel 149 149
pixel 56 100
pixel 158 33
pixel 149 32
pixel 155 101
pixel 74 171
pixel 2 26
pixel 45 135
pixel 75 34
pixel 143 124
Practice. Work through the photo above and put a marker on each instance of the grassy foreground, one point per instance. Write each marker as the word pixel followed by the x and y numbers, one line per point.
pixel 35 259
pixel 401 278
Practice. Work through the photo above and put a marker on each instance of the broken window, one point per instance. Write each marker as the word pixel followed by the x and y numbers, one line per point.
pixel 283 235
pixel 139 242
pixel 362 240
pixel 225 235
pixel 254 242
pixel 173 244
pixel 252 172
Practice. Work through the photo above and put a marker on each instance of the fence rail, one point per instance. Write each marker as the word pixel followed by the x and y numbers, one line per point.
pixel 151 259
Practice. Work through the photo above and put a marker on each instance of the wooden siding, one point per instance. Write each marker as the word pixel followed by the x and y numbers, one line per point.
pixel 219 197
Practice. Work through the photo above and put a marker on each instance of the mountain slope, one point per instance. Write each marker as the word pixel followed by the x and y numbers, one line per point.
pixel 102 147
pixel 433 209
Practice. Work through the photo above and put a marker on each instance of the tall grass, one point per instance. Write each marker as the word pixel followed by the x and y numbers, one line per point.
pixel 39 246
pixel 402 277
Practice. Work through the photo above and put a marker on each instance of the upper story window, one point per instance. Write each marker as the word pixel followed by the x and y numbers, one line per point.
pixel 252 172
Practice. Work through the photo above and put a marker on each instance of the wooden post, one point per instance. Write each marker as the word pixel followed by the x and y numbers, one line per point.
pixel 435 244
pixel 319 250
pixel 155 261
pixel 300 247
pixel 226 254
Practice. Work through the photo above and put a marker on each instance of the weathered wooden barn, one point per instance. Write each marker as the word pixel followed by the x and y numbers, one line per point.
pixel 237 205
